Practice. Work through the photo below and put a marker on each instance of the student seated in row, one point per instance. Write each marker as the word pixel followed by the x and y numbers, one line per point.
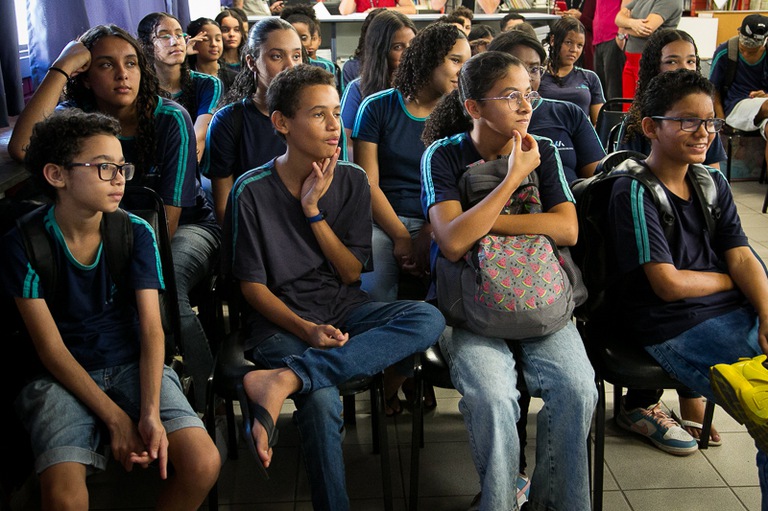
pixel 105 70
pixel 667 50
pixel 698 298
pixel 300 229
pixel 99 338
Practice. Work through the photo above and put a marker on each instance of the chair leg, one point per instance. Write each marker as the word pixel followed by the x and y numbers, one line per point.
pixel 383 443
pixel 765 202
pixel 417 435
pixel 231 430
pixel 599 460
pixel 376 417
pixel 213 497
pixel 349 410
pixel 706 426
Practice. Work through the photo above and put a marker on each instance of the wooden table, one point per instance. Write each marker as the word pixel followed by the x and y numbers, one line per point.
pixel 11 172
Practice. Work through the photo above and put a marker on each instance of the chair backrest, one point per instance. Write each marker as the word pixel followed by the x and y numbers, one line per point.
pixel 147 204
pixel 610 115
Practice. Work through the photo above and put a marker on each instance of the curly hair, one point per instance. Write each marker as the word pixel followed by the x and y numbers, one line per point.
pixel 193 29
pixel 650 64
pixel 245 84
pixel 426 52
pixel 664 91
pixel 284 93
pixel 557 36
pixel 146 99
pixel 450 18
pixel 146 36
pixel 375 74
pixel 301 13
pixel 360 50
pixel 59 139
pixel 464 12
pixel 478 75
pixel 231 13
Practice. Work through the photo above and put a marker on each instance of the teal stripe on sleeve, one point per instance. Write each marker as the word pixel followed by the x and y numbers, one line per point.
pixel 181 162
pixel 237 189
pixel 158 264
pixel 31 284
pixel 637 192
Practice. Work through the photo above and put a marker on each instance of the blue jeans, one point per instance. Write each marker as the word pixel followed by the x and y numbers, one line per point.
pixel 722 339
pixel 556 369
pixel 195 249
pixel 382 283
pixel 380 335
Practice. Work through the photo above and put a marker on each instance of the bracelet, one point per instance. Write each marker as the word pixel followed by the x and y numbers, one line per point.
pixel 59 70
pixel 318 217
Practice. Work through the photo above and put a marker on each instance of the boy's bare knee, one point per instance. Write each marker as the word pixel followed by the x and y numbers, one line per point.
pixel 63 487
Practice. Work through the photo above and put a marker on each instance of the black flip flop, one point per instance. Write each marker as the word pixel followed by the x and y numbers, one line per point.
pixel 251 411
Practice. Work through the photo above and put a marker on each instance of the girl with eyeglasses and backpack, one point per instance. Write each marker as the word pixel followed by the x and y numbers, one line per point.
pixel 485 120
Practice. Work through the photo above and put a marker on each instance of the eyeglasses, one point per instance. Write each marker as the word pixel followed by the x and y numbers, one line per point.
pixel 171 39
pixel 692 124
pixel 515 99
pixel 108 171
pixel 536 70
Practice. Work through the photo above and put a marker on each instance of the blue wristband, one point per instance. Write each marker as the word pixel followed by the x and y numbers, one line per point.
pixel 318 217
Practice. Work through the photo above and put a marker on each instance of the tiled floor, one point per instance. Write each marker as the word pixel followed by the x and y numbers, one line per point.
pixel 639 477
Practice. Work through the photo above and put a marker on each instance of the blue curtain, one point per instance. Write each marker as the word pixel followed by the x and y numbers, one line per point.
pixel 54 23
pixel 11 94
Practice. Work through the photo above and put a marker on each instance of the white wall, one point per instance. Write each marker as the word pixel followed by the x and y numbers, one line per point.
pixel 203 9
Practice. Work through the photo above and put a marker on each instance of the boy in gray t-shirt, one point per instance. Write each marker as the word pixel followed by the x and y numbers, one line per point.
pixel 300 238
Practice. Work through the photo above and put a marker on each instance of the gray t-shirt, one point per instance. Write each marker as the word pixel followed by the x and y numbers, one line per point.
pixel 670 10
pixel 273 244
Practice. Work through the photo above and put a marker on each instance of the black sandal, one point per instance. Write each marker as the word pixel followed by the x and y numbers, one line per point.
pixel 253 411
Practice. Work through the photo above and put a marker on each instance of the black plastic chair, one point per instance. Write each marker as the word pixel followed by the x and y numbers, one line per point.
pixel 610 115
pixel 148 205
pixel 624 365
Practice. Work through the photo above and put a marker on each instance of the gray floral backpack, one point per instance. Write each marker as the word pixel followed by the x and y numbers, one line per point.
pixel 511 287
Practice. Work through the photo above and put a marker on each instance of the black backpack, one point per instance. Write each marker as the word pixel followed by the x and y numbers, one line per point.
pixel 116 234
pixel 594 251
pixel 117 237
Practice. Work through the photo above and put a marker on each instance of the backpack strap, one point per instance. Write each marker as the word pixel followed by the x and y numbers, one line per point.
pixel 730 67
pixel 117 239
pixel 638 170
pixel 39 246
pixel 706 190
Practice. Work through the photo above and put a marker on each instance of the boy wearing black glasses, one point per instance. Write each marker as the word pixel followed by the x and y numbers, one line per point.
pixel 98 335
pixel 694 296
